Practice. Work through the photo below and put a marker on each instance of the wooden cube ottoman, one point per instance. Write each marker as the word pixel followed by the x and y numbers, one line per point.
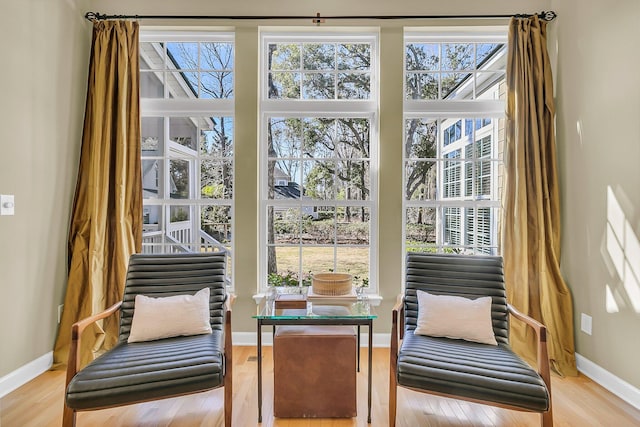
pixel 314 371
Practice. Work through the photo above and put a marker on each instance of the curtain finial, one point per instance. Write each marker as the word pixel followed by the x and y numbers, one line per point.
pixel 547 15
pixel 95 16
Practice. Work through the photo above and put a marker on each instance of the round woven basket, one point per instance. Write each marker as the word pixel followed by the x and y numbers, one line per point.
pixel 331 284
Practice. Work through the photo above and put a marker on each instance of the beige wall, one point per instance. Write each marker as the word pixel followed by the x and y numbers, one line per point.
pixel 598 103
pixel 44 46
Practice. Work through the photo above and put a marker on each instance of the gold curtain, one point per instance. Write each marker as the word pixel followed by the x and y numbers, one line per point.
pixel 106 222
pixel 530 232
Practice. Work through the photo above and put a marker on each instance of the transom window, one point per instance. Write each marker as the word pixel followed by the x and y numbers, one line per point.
pixel 318 151
pixel 187 141
pixel 186 66
pixel 454 110
pixel 319 70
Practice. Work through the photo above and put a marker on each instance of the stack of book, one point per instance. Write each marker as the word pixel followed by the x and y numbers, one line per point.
pixel 291 301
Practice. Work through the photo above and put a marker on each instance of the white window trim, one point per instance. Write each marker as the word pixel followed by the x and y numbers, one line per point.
pixel 320 108
pixel 180 107
pixel 445 109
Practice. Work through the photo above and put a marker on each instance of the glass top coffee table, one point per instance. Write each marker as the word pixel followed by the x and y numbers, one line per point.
pixel 330 311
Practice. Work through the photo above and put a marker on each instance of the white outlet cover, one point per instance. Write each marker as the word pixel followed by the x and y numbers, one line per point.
pixel 7 204
pixel 586 323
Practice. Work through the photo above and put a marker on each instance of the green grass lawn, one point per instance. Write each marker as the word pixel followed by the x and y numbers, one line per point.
pixel 350 260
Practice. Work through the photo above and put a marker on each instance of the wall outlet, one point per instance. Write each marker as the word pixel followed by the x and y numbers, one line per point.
pixel 7 204
pixel 585 323
pixel 60 307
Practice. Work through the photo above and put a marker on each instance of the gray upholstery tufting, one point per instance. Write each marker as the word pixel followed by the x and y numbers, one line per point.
pixel 148 370
pixel 468 369
pixel 469 276
pixel 458 368
pixel 172 274
pixel 142 371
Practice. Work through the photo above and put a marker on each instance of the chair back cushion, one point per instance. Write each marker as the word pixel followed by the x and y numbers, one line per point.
pixel 164 275
pixel 459 275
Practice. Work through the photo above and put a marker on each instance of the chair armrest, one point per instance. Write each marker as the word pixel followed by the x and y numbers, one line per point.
pixel 541 339
pixel 397 333
pixel 398 308
pixel 228 349
pixel 227 323
pixel 397 323
pixel 76 335
pixel 541 330
pixel 229 302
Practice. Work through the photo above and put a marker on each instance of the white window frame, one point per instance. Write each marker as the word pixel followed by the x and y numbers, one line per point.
pixel 337 108
pixel 167 108
pixel 456 109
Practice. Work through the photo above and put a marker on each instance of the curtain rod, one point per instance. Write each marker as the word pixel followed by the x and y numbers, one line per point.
pixel 96 16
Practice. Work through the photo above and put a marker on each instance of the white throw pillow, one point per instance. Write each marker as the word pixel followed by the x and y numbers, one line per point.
pixel 455 317
pixel 157 318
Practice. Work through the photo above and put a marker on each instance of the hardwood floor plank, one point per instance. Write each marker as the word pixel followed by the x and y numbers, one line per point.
pixel 578 402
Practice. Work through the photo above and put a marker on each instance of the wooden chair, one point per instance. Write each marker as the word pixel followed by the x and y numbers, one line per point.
pixel 144 371
pixel 470 371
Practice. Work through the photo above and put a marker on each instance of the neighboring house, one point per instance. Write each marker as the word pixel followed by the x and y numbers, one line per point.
pixel 284 189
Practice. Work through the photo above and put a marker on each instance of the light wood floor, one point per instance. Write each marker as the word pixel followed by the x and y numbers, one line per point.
pixel 577 401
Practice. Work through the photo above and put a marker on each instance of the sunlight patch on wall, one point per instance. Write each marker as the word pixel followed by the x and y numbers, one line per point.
pixel 579 131
pixel 614 248
pixel 623 248
pixel 610 302
pixel 632 249
pixel 632 266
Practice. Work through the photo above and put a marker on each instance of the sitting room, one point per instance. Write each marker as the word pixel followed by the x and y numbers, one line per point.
pixel 287 213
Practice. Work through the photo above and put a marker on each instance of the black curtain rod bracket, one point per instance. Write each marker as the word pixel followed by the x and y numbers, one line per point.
pixel 317 19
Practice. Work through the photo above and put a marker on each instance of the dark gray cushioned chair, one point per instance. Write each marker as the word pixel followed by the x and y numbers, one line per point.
pixel 475 372
pixel 142 371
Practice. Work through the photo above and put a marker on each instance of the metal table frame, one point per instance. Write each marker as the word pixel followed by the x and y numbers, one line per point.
pixel 353 321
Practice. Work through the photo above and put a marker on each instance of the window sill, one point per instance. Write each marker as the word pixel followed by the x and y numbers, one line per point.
pixel 374 299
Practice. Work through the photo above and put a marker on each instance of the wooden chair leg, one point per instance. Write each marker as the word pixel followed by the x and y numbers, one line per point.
pixel 228 398
pixel 393 393
pixel 68 417
pixel 228 393
pixel 547 418
pixel 228 366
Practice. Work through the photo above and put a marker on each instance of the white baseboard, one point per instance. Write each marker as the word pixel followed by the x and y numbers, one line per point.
pixel 25 373
pixel 606 379
pixel 250 339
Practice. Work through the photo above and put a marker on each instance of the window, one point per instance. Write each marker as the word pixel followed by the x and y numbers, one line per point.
pixel 452 133
pixel 453 109
pixel 186 89
pixel 318 156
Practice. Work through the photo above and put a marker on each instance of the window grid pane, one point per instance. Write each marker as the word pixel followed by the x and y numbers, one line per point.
pixel 319 71
pixel 318 164
pixel 331 208
pixel 452 164
pixel 186 70
pixel 187 161
pixel 449 71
